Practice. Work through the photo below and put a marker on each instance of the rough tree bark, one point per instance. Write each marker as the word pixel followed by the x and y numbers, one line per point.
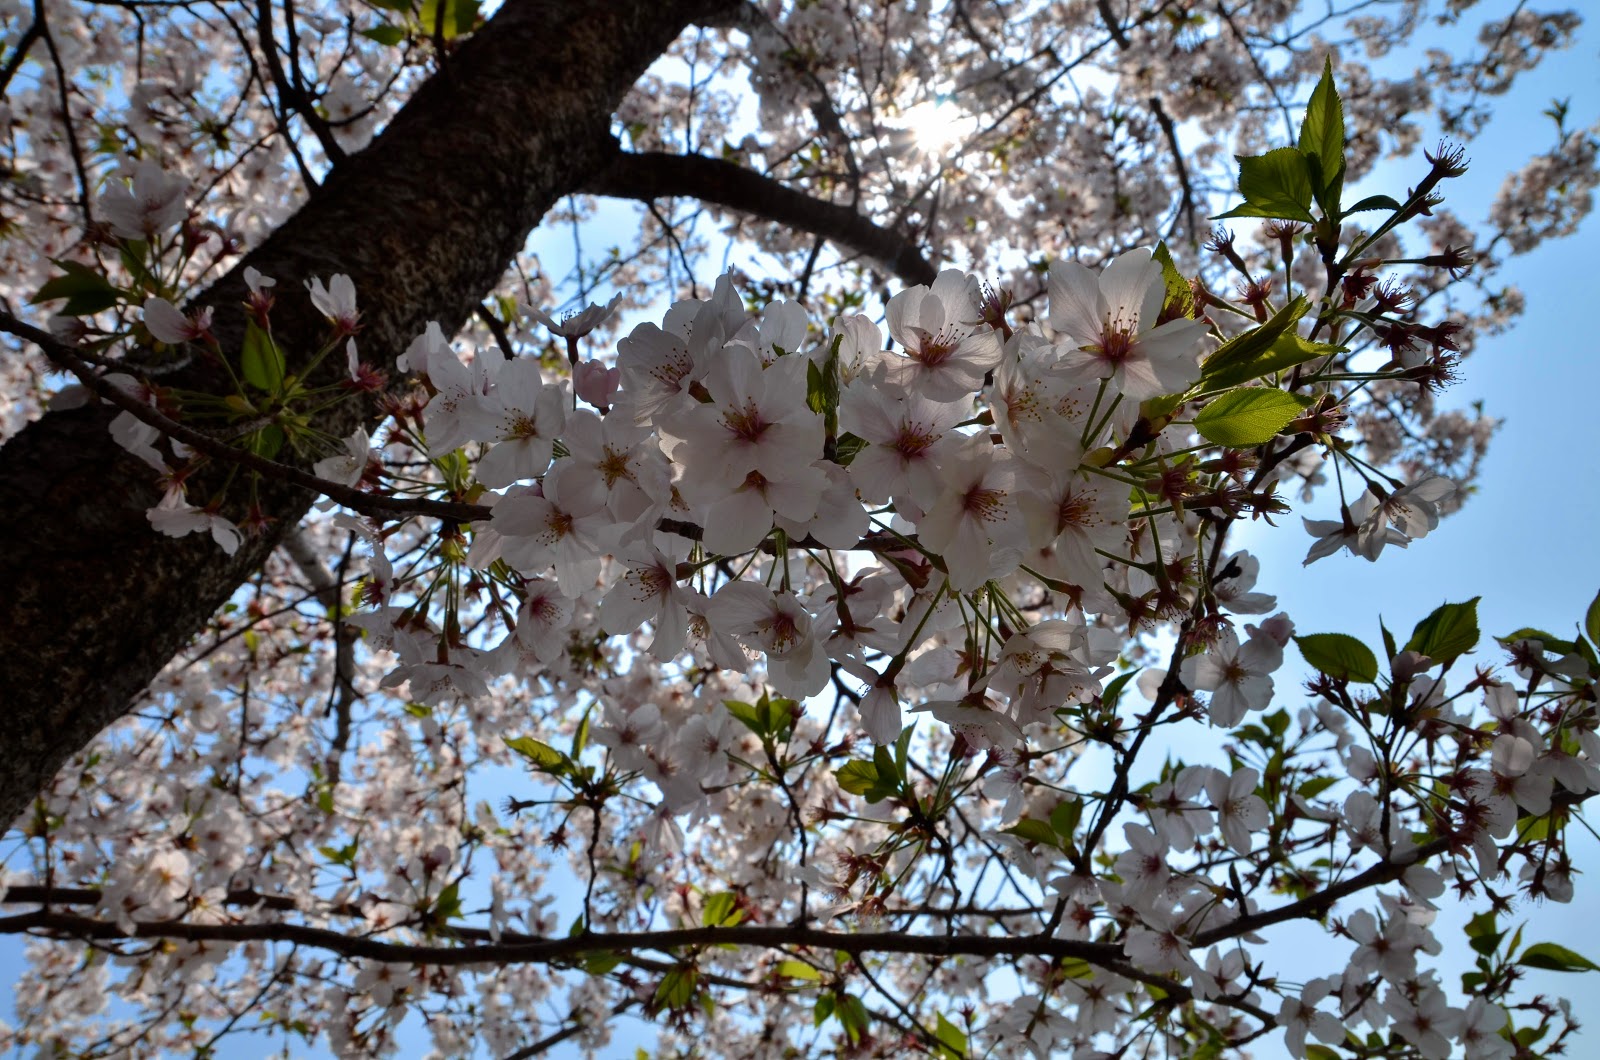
pixel 425 220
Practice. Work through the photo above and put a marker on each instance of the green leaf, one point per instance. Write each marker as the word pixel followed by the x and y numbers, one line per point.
pixel 1341 657
pixel 1388 640
pixel 1315 786
pixel 1033 830
pixel 861 778
pixel 345 855
pixel 1450 631
pixel 677 989
pixel 853 1014
pixel 1076 968
pixel 1249 416
pixel 1550 641
pixel 1374 202
pixel 1482 933
pixel 1286 351
pixel 1320 1052
pixel 86 291
pixel 848 448
pixel 1322 139
pixel 460 16
pixel 1065 817
pixel 747 714
pixel 798 970
pixel 448 904
pixel 720 910
pixel 260 361
pixel 1591 621
pixel 1179 299
pixel 600 962
pixel 1276 184
pixel 822 1010
pixel 1113 690
pixel 1553 958
pixel 266 442
pixel 952 1040
pixel 1250 346
pixel 385 34
pixel 816 388
pixel 540 755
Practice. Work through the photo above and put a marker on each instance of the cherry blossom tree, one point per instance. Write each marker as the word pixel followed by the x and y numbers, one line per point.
pixel 824 636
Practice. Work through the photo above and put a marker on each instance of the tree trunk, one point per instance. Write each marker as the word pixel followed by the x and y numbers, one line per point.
pixel 425 220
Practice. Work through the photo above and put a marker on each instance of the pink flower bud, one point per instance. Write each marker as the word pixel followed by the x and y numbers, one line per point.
pixel 595 383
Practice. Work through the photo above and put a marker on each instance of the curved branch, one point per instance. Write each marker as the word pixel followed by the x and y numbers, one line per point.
pixel 648 175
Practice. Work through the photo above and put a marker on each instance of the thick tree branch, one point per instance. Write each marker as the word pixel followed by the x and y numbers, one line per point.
pixel 528 950
pixel 97 601
pixel 655 175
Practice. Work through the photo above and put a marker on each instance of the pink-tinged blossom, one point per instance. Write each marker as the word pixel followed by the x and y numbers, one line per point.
pixel 1479 1034
pixel 737 521
pixel 1426 1021
pixel 630 732
pixel 544 620
pixel 1156 946
pixel 1414 510
pixel 129 431
pixel 1106 327
pixel 649 592
pixel 1240 811
pixel 596 383
pixel 460 409
pixel 974 523
pixel 577 324
pixel 565 527
pixel 757 420
pixel 1388 949
pixel 1143 866
pixel 660 364
pixel 1298 1016
pixel 880 713
pixel 779 625
pixel 977 720
pixel 336 302
pixel 1099 1001
pixel 1072 518
pixel 168 324
pixel 705 742
pixel 153 204
pixel 905 437
pixel 1521 775
pixel 837 519
pixel 1235 675
pixel 347 467
pixel 1041 416
pixel 1236 577
pixel 1048 666
pixel 709 642
pixel 621 464
pixel 176 518
pixel 947 351
pixel 780 330
pixel 432 683
pixel 525 417
pixel 860 347
pixel 1174 814
pixel 1363 531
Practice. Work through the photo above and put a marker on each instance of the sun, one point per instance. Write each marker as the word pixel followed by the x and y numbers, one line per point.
pixel 936 125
